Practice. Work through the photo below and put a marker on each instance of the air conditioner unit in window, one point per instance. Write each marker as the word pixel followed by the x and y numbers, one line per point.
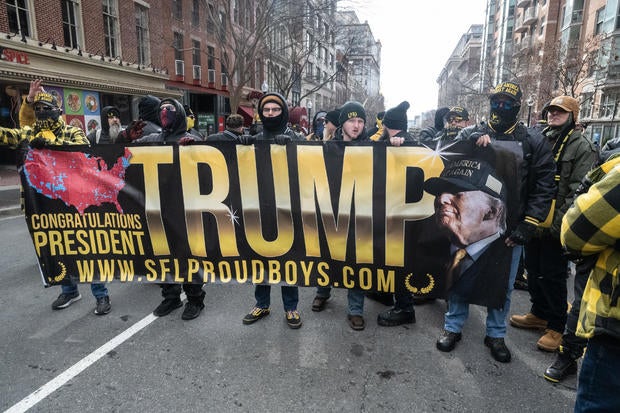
pixel 196 72
pixel 224 80
pixel 211 75
pixel 179 68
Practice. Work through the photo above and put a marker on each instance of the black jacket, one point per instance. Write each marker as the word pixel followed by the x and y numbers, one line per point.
pixel 227 135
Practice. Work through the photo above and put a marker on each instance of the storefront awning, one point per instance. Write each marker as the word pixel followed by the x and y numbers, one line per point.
pixel 247 113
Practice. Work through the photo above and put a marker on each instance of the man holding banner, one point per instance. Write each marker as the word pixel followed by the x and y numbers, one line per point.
pixel 528 203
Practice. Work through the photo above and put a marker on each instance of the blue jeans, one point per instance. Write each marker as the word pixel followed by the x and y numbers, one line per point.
pixel 496 317
pixel 355 299
pixel 98 290
pixel 290 297
pixel 599 380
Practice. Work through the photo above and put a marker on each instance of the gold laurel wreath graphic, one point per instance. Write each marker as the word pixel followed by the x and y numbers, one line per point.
pixel 423 290
pixel 63 273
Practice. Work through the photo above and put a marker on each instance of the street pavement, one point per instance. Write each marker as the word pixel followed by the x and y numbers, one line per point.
pixel 130 361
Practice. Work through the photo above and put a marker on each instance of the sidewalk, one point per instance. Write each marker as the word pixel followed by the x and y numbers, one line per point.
pixel 9 191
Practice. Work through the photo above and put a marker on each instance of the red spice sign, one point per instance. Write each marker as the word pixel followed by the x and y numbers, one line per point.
pixel 14 56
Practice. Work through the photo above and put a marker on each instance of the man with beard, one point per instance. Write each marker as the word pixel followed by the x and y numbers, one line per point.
pixel 42 126
pixel 532 203
pixel 110 131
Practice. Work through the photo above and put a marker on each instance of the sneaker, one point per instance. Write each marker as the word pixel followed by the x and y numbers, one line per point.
pixel 167 306
pixel 65 300
pixel 499 351
pixel 395 317
pixel 293 319
pixel 562 367
pixel 256 314
pixel 103 305
pixel 529 321
pixel 192 310
pixel 550 341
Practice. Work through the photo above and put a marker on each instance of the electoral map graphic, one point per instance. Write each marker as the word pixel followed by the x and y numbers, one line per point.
pixel 78 179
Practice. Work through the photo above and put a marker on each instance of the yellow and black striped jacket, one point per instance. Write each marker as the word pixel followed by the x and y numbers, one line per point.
pixel 592 226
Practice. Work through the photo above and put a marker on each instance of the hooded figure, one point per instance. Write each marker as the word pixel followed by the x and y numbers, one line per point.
pixel 148 108
pixel 318 125
pixel 277 122
pixel 173 122
pixel 110 130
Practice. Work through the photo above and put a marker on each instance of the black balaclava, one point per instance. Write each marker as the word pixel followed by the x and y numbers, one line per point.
pixel 173 122
pixel 502 119
pixel 148 109
pixel 317 127
pixel 275 125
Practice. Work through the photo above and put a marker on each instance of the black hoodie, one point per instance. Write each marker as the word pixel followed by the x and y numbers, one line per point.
pixel 276 125
pixel 173 132
pixel 148 111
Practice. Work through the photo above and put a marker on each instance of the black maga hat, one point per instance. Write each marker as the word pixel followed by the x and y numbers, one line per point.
pixel 467 175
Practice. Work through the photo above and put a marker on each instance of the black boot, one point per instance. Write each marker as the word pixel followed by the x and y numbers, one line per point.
pixel 193 307
pixel 563 366
pixel 167 306
pixel 396 317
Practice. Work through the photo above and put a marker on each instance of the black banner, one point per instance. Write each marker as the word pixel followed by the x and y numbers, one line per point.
pixel 307 214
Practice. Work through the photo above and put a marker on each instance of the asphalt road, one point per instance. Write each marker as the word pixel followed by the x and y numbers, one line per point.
pixel 129 361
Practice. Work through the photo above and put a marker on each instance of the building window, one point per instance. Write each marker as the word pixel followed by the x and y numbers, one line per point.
pixel 608 106
pixel 210 57
pixel 142 35
pixel 18 16
pixel 70 29
pixel 196 13
pixel 178 46
pixel 196 52
pixel 210 19
pixel 600 17
pixel 177 9
pixel 586 106
pixel 110 27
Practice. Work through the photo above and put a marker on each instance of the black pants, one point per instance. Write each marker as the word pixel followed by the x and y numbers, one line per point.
pixel 547 271
pixel 571 344
pixel 193 291
pixel 403 301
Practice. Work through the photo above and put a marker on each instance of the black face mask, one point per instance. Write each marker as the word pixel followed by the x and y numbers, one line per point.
pixel 48 114
pixel 503 117
pixel 274 123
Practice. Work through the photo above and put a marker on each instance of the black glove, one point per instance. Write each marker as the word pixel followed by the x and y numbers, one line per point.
pixel 38 143
pixel 247 139
pixel 523 233
pixel 282 139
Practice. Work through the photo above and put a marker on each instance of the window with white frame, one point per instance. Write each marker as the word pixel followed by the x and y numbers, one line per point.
pixel 18 16
pixel 142 35
pixel 110 27
pixel 70 23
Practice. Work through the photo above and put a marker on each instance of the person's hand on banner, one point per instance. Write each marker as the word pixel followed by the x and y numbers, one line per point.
pixel 247 139
pixel 521 235
pixel 186 140
pixel 282 139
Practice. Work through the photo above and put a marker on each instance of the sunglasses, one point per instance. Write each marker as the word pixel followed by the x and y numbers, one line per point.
pixel 169 107
pixel 453 119
pixel 43 108
pixel 503 104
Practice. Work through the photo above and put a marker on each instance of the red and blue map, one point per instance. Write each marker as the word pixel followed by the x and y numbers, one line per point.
pixel 78 179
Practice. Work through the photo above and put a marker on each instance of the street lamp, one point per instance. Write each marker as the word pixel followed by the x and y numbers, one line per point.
pixel 309 106
pixel 530 103
pixel 264 87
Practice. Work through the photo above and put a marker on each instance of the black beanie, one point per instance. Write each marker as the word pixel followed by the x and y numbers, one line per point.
pixel 396 118
pixel 333 116
pixel 349 110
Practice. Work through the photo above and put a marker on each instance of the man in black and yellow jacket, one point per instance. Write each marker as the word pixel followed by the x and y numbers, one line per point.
pixel 592 227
